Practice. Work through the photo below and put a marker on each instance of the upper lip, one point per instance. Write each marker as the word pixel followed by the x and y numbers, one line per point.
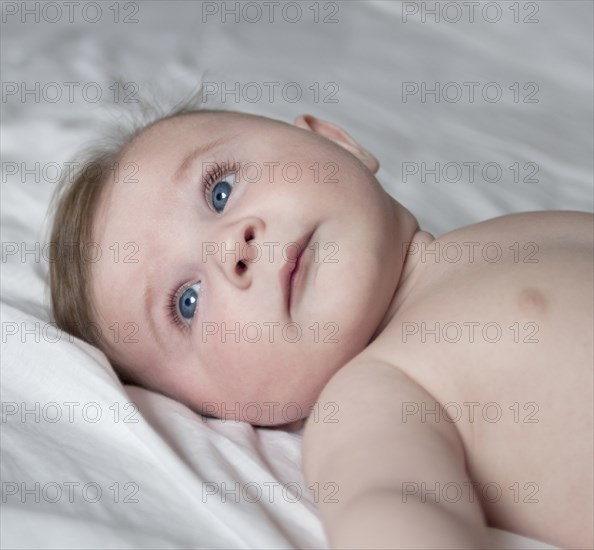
pixel 290 266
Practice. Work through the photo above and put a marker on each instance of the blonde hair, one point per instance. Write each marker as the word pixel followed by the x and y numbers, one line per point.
pixel 73 209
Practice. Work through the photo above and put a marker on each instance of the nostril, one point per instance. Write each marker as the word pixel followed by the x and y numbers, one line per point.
pixel 240 267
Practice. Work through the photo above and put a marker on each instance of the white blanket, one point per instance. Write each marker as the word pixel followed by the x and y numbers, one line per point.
pixel 89 463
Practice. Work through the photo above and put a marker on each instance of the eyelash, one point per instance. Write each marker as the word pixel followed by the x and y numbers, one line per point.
pixel 214 174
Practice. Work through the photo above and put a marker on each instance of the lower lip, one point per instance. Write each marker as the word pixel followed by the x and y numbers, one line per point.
pixel 298 273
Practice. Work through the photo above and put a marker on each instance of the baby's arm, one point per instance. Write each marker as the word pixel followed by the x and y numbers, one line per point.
pixel 378 460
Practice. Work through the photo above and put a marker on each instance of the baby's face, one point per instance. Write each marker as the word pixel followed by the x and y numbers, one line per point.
pixel 207 308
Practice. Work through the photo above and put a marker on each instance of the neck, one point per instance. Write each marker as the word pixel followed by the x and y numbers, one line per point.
pixel 409 238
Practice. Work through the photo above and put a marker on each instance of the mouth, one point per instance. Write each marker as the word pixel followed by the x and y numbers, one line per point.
pixel 291 273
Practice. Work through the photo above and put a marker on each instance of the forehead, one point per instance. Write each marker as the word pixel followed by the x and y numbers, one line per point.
pixel 154 156
pixel 202 126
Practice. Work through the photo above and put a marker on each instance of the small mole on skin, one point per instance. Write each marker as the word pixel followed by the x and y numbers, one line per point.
pixel 531 300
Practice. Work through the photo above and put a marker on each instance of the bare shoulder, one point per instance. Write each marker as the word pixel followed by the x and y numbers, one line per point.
pixel 367 397
pixel 377 460
pixel 570 224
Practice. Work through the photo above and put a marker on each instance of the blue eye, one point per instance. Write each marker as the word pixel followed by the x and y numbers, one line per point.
pixel 188 301
pixel 220 193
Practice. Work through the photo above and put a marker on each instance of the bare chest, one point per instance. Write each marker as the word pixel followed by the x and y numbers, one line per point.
pixel 505 349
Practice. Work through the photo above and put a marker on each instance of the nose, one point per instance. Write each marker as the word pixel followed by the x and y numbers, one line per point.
pixel 240 249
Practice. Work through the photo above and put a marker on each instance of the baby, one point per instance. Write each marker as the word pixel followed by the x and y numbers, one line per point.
pixel 257 271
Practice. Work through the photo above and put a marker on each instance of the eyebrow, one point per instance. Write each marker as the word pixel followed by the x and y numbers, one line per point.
pixel 193 156
pixel 179 178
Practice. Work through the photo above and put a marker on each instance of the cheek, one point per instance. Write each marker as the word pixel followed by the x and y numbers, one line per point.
pixel 245 378
pixel 248 366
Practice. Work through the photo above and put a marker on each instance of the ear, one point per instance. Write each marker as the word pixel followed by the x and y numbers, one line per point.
pixel 338 136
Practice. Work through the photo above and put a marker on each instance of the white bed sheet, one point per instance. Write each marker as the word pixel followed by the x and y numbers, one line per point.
pixel 171 455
